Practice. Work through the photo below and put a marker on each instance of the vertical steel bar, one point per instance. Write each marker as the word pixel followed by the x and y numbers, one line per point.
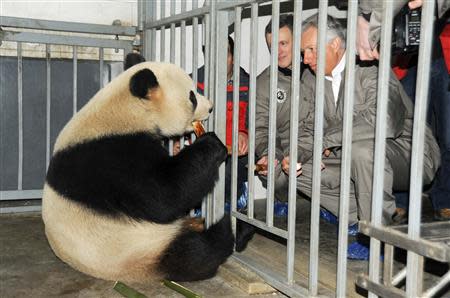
pixel 141 15
pixel 195 48
pixel 219 64
pixel 20 115
pixel 272 112
pixel 295 102
pixel 48 102
pixel 380 140
pixel 388 265
pixel 236 85
pixel 172 33
pixel 153 32
pixel 252 108
pixel 183 39
pixel 206 32
pixel 318 141
pixel 148 44
pixel 101 59
pixel 414 268
pixel 162 54
pixel 74 79
pixel 341 276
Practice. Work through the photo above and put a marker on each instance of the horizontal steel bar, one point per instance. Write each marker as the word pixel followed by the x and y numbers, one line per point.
pixel 273 278
pixel 443 281
pixel 188 15
pixel 233 4
pixel 380 290
pixel 427 248
pixel 66 26
pixel 20 209
pixel 399 277
pixel 64 40
pixel 433 231
pixel 6 195
pixel 261 225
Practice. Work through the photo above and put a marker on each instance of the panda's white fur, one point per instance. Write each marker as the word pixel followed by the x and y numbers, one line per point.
pixel 117 246
pixel 86 240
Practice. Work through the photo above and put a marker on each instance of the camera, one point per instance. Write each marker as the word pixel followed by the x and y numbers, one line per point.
pixel 406 31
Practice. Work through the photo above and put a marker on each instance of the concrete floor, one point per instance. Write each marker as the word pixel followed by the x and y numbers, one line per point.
pixel 30 269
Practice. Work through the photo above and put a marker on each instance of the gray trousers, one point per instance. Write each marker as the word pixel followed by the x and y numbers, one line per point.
pixel 396 177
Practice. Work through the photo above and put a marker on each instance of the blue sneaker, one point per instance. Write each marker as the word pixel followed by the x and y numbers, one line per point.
pixel 197 212
pixel 353 229
pixel 280 209
pixel 328 216
pixel 357 251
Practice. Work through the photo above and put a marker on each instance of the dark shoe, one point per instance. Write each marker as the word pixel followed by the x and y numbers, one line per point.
pixel 244 234
pixel 442 214
pixel 400 216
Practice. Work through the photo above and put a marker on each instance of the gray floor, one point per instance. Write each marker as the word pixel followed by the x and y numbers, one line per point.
pixel 28 268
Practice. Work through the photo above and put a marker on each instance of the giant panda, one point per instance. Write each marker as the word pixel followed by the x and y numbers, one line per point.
pixel 115 203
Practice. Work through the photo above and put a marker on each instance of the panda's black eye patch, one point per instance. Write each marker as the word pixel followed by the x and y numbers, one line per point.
pixel 193 99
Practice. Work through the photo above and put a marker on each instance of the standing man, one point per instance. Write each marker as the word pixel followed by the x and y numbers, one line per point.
pixel 438 94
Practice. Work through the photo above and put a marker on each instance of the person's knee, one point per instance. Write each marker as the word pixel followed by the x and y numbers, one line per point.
pixel 362 151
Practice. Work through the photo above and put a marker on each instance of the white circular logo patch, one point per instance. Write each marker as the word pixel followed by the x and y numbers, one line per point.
pixel 281 95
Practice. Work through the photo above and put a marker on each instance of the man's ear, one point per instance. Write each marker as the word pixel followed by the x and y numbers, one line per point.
pixel 336 43
pixel 142 82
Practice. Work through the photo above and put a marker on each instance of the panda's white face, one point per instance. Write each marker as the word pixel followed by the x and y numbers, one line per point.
pixel 169 96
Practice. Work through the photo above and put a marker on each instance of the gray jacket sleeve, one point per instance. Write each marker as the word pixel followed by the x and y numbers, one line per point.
pixel 364 111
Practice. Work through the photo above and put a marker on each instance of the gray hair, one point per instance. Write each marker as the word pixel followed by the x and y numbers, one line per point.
pixel 334 27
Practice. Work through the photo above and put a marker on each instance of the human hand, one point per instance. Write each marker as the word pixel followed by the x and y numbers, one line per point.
pixel 176 147
pixel 262 163
pixel 242 143
pixel 363 48
pixel 413 4
pixel 285 166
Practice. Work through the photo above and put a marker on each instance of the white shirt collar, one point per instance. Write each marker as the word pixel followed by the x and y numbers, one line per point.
pixel 336 78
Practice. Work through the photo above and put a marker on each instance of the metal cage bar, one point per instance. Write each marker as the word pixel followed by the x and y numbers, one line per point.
pixel 317 155
pixel 344 201
pixel 380 141
pixel 414 270
pixel 294 115
pixel 252 108
pixel 272 113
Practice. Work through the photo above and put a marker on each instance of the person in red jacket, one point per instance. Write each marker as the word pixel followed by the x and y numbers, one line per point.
pixel 243 120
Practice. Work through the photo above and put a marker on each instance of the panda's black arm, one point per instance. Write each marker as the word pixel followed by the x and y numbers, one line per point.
pixel 189 176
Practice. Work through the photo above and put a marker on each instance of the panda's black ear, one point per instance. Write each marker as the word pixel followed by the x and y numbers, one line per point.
pixel 142 82
pixel 132 59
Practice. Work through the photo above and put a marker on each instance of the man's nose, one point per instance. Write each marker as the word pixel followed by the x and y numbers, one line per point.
pixel 307 58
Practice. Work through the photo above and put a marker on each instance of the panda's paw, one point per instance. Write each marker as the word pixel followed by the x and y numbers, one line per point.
pixel 215 145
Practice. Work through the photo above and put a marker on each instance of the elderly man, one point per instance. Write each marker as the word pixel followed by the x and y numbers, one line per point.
pixel 399 128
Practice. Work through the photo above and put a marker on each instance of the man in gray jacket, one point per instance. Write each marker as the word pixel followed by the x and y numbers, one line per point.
pixel 283 104
pixel 399 128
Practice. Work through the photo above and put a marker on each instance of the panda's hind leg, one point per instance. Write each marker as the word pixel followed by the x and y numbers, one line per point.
pixel 197 255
